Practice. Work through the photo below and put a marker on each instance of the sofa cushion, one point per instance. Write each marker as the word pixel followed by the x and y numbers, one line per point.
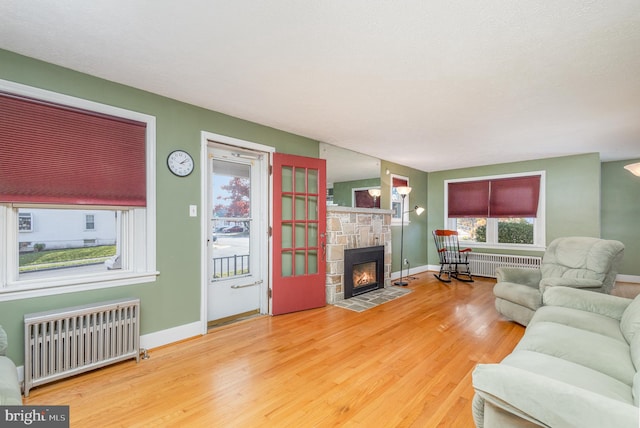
pixel 630 321
pixel 583 320
pixel 596 351
pixel 571 374
pixel 3 341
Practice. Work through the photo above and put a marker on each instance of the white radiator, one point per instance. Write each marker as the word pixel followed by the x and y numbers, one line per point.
pixel 484 264
pixel 66 342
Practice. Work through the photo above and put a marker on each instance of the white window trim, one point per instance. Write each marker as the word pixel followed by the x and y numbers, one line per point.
pixel 539 238
pixel 398 221
pixel 141 223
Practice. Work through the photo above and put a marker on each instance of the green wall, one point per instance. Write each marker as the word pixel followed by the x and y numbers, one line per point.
pixel 415 232
pixel 174 299
pixel 572 195
pixel 621 211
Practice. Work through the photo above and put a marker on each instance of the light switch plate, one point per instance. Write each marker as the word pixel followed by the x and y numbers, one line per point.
pixel 193 210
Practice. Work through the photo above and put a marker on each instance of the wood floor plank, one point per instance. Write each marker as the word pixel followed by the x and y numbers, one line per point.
pixel 406 363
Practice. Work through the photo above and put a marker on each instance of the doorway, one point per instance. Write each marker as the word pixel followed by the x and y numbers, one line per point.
pixel 237 188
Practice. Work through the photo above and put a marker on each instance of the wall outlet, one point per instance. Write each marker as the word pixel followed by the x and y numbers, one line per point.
pixel 406 261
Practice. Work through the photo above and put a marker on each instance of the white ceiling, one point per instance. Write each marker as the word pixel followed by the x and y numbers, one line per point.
pixel 430 84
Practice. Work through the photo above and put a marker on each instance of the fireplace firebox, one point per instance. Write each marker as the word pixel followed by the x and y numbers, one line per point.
pixel 363 270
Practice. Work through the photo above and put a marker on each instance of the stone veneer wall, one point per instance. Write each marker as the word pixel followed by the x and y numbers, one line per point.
pixel 349 228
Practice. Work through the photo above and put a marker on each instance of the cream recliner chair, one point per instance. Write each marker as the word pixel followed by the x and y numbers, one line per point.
pixel 578 262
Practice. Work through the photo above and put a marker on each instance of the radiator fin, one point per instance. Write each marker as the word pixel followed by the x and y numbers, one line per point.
pixel 70 341
pixel 485 264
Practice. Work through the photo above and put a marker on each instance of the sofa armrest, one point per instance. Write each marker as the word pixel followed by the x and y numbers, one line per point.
pixel 549 402
pixel 575 298
pixel 530 277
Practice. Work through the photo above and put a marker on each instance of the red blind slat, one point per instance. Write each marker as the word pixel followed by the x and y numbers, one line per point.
pixel 515 197
pixel 468 199
pixel 60 155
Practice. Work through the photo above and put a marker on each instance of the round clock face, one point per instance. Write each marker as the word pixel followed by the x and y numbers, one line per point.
pixel 180 163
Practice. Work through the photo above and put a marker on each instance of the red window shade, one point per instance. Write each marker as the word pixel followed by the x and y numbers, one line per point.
pixel 62 155
pixel 399 182
pixel 469 199
pixel 499 198
pixel 515 197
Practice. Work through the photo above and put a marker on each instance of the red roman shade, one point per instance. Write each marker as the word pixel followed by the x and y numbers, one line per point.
pixel 399 182
pixel 497 198
pixel 56 154
pixel 469 199
pixel 515 197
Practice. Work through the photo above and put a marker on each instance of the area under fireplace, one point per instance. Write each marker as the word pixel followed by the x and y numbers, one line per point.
pixel 363 270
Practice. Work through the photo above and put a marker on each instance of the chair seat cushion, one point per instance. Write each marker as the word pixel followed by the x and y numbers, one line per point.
pixel 521 294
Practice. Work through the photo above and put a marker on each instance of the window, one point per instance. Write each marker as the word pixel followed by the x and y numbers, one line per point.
pixel 46 195
pixel 89 222
pixel 499 211
pixel 396 200
pixel 25 222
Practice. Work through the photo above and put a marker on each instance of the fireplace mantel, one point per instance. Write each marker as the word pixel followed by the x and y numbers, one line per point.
pixel 349 228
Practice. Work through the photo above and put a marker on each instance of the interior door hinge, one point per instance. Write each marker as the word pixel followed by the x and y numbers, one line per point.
pixel 269 293
pixel 270 231
pixel 270 169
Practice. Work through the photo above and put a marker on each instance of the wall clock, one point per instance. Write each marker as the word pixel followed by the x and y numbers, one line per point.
pixel 180 163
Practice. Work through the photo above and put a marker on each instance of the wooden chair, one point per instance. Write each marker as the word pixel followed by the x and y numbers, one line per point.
pixel 452 257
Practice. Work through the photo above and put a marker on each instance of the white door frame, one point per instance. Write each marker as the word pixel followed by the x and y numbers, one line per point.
pixel 205 138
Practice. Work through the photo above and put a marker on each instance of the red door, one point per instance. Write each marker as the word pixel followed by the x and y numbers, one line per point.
pixel 299 225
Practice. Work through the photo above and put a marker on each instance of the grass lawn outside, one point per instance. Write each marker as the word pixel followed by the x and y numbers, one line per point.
pixel 67 257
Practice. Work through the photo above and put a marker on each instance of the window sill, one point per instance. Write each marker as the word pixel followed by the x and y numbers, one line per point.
pixel 30 289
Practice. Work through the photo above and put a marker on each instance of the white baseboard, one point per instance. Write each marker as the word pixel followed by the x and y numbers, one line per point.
pixel 175 334
pixel 412 271
pixel 628 278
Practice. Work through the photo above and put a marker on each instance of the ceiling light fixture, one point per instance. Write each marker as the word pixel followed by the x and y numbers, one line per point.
pixel 633 168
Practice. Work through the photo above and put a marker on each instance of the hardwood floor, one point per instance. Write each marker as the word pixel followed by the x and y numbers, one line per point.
pixel 406 363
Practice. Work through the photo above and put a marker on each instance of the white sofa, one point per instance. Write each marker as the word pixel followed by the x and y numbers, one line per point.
pixel 576 366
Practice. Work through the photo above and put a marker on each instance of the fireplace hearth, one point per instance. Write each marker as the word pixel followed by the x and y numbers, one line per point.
pixel 363 270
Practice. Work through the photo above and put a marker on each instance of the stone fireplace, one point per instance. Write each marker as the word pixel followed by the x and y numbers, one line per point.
pixel 355 228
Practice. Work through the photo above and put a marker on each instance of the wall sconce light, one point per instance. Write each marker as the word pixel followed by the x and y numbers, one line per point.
pixel 633 168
